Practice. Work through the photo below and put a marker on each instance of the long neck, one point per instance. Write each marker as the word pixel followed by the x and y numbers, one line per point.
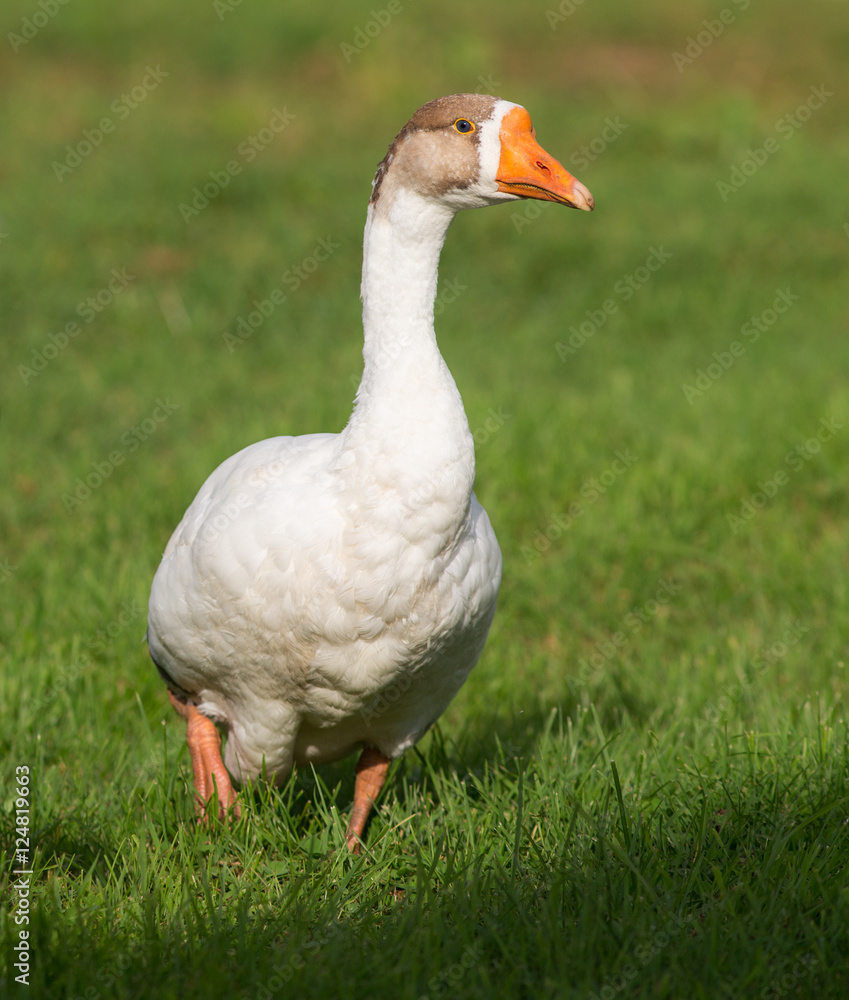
pixel 408 414
pixel 403 240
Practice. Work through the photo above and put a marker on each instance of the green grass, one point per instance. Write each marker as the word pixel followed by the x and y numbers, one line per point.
pixel 642 789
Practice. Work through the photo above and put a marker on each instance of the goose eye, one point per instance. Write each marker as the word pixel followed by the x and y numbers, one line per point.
pixel 464 125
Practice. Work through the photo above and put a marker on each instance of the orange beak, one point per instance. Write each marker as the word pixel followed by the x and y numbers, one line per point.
pixel 526 169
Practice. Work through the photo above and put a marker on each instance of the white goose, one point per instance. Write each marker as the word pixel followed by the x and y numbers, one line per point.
pixel 331 592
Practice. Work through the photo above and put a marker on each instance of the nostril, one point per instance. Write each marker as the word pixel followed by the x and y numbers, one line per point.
pixel 543 166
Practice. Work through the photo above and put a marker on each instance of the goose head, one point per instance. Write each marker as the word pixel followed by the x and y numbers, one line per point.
pixel 472 150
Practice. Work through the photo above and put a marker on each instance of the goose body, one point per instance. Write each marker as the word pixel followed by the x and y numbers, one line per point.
pixel 331 592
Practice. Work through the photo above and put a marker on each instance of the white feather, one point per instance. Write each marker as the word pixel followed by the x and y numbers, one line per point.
pixel 331 591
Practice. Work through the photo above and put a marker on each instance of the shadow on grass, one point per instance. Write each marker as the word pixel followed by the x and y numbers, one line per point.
pixel 704 879
pixel 594 913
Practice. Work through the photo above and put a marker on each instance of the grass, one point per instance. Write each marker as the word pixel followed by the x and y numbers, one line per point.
pixel 642 789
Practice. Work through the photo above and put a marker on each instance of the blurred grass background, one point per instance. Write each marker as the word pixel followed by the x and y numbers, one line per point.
pixel 704 674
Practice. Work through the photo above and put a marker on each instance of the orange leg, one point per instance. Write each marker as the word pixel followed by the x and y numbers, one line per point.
pixel 371 774
pixel 209 771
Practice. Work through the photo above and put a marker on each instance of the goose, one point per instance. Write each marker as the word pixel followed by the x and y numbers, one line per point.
pixel 329 593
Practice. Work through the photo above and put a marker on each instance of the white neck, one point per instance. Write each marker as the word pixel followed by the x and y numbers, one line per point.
pixel 403 240
pixel 408 414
